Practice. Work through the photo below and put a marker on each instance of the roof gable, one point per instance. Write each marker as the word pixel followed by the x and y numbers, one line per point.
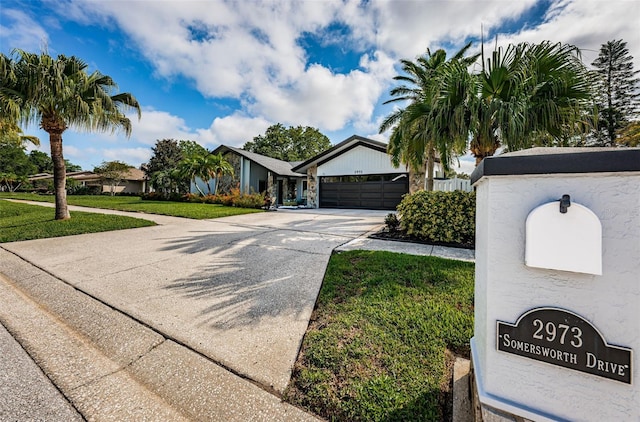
pixel 357 160
pixel 339 149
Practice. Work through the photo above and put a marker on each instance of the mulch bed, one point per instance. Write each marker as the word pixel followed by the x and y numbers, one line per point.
pixel 401 236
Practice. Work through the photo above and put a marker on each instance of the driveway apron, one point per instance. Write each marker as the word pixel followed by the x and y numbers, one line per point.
pixel 239 290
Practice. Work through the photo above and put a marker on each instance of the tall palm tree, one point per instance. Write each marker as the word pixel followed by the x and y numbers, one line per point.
pixel 420 130
pixel 58 93
pixel 523 93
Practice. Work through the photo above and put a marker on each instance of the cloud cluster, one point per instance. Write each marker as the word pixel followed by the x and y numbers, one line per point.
pixel 253 51
pixel 19 29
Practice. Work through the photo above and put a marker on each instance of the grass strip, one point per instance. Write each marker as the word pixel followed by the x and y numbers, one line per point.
pixel 27 222
pixel 377 348
pixel 136 204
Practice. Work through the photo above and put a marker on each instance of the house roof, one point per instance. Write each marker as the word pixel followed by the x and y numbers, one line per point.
pixel 342 147
pixel 132 174
pixel 279 167
pixel 72 174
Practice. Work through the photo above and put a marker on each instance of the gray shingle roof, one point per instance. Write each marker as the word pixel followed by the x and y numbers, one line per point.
pixel 279 167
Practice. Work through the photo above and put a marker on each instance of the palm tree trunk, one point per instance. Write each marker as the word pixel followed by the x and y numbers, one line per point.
pixel 431 159
pixel 59 176
pixel 216 184
pixel 195 183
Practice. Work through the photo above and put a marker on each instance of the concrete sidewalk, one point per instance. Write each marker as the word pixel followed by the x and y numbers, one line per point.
pixel 214 310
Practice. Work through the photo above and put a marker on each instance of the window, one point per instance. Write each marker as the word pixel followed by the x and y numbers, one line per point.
pixel 392 177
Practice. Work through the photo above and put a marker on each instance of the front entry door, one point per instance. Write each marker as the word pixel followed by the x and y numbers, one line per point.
pixel 279 192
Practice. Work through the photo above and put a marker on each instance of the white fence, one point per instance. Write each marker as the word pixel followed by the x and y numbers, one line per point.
pixel 449 185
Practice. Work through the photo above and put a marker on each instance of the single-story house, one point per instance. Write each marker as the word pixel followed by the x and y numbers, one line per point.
pixel 356 173
pixel 257 173
pixel 134 181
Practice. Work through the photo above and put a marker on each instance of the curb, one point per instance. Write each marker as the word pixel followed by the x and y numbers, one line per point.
pixel 111 367
pixel 462 407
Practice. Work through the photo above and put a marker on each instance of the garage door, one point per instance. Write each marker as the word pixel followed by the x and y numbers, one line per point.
pixel 375 192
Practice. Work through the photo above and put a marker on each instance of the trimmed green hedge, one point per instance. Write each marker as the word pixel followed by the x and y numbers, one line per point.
pixel 440 217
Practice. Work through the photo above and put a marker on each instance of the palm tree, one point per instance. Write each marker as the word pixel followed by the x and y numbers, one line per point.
pixel 524 93
pixel 58 93
pixel 193 167
pixel 11 132
pixel 420 130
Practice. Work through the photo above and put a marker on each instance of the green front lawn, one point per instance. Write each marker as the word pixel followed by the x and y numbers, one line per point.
pixel 380 342
pixel 134 203
pixel 26 222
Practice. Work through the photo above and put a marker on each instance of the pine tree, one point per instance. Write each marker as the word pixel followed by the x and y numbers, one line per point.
pixel 618 100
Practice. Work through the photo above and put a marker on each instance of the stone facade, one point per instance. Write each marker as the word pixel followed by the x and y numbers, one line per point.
pixel 271 189
pixel 229 182
pixel 312 189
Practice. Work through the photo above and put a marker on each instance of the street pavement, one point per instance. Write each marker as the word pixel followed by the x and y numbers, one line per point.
pixel 157 308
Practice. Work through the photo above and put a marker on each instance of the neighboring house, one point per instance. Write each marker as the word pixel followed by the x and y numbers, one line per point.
pixel 134 181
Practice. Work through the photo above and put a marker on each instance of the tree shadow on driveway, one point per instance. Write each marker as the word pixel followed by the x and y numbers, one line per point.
pixel 243 279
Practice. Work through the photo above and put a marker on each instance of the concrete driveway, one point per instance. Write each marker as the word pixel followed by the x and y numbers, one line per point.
pixel 239 290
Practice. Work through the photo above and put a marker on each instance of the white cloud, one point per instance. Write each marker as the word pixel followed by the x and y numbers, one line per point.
pixel 155 125
pixel 90 157
pixel 18 30
pixel 250 51
pixel 587 25
pixel 325 99
pixel 465 164
pixel 132 156
pixel 406 28
pixel 234 130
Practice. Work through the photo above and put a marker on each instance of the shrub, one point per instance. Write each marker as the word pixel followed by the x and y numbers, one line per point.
pixel 83 190
pixel 152 196
pixel 440 217
pixel 231 199
pixel 392 222
pixel 228 199
pixel 211 199
pixel 249 200
pixel 193 197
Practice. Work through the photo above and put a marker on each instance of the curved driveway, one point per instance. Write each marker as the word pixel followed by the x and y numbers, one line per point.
pixel 239 290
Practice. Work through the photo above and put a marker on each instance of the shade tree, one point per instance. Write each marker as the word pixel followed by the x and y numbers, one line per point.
pixel 289 144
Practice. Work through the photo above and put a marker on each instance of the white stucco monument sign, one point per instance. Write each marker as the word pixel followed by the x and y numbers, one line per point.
pixel 557 285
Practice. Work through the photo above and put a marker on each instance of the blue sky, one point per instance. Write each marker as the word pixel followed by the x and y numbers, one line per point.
pixel 221 72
